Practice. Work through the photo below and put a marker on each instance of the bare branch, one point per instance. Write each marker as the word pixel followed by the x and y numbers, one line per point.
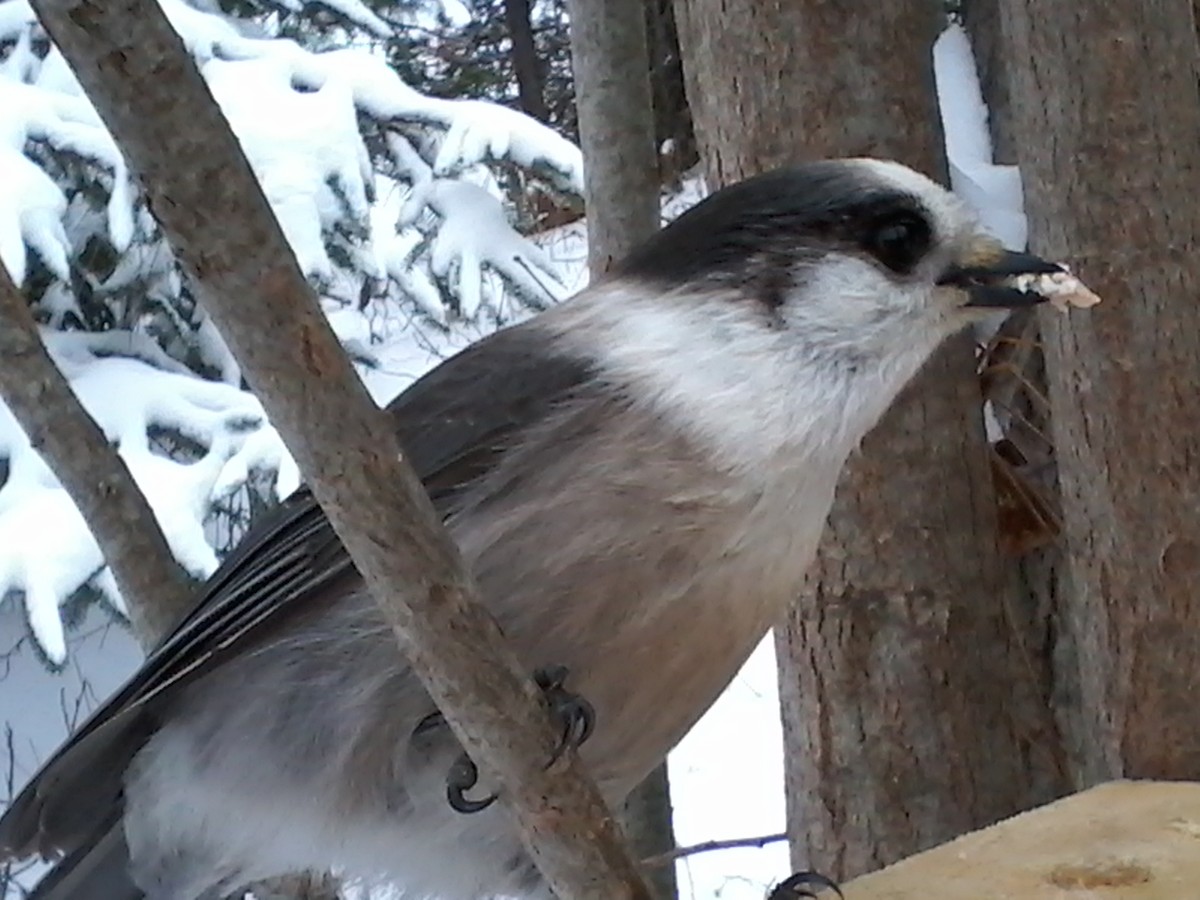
pixel 157 591
pixel 663 859
pixel 146 88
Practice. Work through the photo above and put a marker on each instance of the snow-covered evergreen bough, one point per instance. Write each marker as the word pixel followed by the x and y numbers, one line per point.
pixel 638 479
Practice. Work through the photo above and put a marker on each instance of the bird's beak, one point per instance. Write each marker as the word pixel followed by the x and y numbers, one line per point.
pixel 989 275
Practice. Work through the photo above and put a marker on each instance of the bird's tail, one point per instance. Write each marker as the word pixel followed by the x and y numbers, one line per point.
pixel 97 870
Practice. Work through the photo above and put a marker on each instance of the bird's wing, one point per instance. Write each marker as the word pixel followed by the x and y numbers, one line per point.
pixel 454 423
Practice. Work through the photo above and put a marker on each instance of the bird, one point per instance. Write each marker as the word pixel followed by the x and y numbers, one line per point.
pixel 637 478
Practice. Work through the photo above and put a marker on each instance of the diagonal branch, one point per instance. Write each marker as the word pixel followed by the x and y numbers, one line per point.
pixel 146 88
pixel 156 590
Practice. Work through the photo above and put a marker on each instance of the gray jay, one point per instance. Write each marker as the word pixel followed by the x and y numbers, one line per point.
pixel 638 479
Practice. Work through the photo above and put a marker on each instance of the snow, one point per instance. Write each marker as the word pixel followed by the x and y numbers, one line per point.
pixel 727 782
pixel 476 230
pixel 994 190
pixel 14 15
pixel 130 399
pixel 299 128
pixel 305 149
pixel 475 130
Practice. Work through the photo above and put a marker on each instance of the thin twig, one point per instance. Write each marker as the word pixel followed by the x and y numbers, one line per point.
pixel 671 856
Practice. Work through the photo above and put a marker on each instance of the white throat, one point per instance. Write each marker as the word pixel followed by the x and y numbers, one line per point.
pixel 750 392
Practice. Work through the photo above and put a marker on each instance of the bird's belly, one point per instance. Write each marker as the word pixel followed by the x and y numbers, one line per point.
pixel 653 672
pixel 650 573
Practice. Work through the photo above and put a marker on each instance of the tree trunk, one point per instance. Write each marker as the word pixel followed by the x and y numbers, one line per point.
pixel 1041 573
pixel 616 127
pixel 1106 119
pixel 526 65
pixel 910 713
pixel 646 819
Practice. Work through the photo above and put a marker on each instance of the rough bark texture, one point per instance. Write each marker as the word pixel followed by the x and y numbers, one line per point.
pixel 803 80
pixel 910 714
pixel 144 85
pixel 1106 118
pixel 526 65
pixel 616 126
pixel 156 590
pixel 1041 574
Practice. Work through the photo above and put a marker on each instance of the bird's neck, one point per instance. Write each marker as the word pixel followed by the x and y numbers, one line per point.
pixel 754 396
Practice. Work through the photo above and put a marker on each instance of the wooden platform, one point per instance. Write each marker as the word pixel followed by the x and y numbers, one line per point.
pixel 1128 840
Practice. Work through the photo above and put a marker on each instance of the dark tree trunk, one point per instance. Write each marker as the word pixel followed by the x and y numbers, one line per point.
pixel 1106 117
pixel 911 713
pixel 526 65
pixel 672 116
pixel 647 821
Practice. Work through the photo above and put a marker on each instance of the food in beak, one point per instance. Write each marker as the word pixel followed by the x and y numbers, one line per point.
pixel 1062 289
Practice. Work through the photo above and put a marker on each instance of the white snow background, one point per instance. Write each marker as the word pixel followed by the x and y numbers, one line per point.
pixel 727 775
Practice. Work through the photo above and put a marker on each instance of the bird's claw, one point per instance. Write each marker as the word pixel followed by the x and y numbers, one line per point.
pixel 463 776
pixel 578 718
pixel 577 715
pixel 804 884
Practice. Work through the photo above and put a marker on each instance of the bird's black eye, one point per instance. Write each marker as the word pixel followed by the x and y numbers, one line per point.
pixel 899 241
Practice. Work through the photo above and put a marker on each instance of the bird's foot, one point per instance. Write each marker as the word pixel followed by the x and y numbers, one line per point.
pixel 803 884
pixel 577 715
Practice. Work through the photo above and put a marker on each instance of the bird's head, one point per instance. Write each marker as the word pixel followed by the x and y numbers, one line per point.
pixel 790 308
pixel 855 253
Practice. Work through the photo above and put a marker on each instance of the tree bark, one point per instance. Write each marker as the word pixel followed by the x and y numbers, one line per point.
pixel 156 590
pixel 1107 145
pixel 616 125
pixel 910 713
pixel 526 66
pixel 1041 573
pixel 147 90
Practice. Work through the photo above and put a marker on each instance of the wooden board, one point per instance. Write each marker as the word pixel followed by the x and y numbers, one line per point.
pixel 1132 840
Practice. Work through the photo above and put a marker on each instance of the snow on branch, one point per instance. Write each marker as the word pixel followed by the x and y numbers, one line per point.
pixel 49 552
pixel 34 388
pixel 303 119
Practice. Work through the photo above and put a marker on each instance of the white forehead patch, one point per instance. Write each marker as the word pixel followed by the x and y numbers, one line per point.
pixel 951 215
